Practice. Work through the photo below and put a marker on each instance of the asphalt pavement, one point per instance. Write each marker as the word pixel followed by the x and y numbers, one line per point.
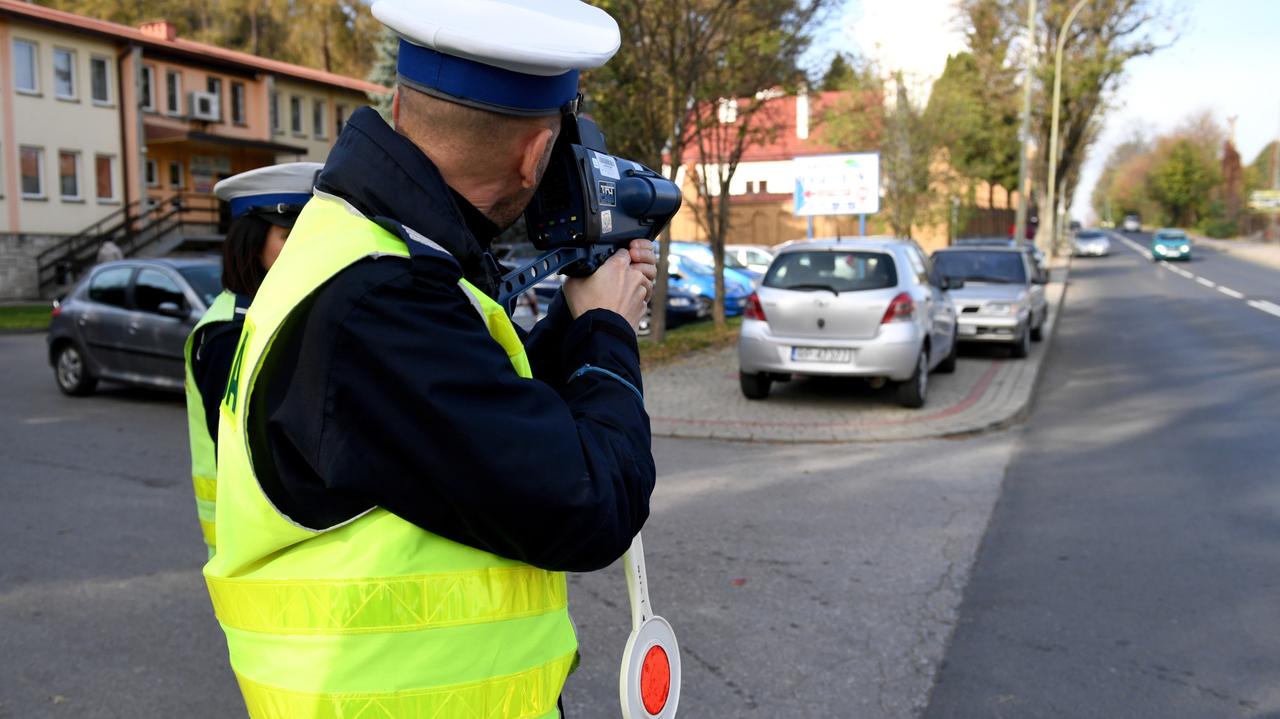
pixel 1133 561
pixel 802 581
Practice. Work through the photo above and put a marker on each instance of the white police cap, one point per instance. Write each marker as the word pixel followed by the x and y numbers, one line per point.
pixel 516 57
pixel 278 191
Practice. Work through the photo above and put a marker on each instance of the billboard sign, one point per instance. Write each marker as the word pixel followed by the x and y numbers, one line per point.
pixel 1265 201
pixel 837 185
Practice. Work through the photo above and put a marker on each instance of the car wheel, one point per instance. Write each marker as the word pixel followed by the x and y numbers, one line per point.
pixel 1037 332
pixel 72 372
pixel 913 393
pixel 1022 347
pixel 755 386
pixel 948 365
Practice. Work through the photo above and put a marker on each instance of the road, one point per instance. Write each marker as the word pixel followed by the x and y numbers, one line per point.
pixel 803 581
pixel 1132 565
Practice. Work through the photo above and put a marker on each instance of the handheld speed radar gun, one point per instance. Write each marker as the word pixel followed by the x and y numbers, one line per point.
pixel 590 204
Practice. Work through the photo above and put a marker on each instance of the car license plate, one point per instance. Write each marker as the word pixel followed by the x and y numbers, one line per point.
pixel 821 354
pixel 967 330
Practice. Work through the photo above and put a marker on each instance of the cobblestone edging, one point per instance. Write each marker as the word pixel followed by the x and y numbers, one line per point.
pixel 698 398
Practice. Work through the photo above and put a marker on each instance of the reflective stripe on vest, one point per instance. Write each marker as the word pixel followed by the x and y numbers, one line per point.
pixel 204 462
pixel 374 617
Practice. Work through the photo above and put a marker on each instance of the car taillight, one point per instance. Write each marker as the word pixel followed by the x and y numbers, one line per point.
pixel 755 311
pixel 57 310
pixel 900 309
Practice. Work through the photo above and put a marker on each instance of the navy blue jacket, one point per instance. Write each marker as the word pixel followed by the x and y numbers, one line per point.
pixel 385 389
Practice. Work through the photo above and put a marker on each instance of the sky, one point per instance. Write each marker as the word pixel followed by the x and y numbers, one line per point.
pixel 1226 59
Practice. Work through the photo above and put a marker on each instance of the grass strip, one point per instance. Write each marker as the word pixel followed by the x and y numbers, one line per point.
pixel 25 317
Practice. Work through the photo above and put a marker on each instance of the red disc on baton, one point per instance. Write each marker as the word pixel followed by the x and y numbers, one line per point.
pixel 655 680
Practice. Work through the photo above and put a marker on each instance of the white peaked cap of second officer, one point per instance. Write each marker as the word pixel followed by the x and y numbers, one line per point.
pixel 276 186
pixel 532 37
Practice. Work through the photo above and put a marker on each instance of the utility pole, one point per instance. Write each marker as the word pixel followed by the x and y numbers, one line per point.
pixel 1273 229
pixel 1053 134
pixel 1024 189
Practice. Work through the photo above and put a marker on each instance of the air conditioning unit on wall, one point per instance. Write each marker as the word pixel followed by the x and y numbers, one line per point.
pixel 204 106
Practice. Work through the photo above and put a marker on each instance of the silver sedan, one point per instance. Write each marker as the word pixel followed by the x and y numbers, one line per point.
pixel 854 308
pixel 1002 299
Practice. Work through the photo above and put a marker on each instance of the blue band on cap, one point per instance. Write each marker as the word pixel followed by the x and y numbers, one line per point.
pixel 486 85
pixel 242 206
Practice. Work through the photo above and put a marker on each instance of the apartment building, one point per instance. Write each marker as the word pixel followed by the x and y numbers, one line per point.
pixel 99 120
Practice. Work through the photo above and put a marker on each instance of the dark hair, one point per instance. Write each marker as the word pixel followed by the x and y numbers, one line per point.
pixel 242 270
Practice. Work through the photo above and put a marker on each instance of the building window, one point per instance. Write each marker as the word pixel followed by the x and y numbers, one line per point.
pixel 295 114
pixel 340 116
pixel 104 166
pixel 237 103
pixel 176 179
pixel 318 124
pixel 64 74
pixel 275 112
pixel 32 161
pixel 69 175
pixel 148 88
pixel 153 174
pixel 214 86
pixel 100 79
pixel 26 67
pixel 173 86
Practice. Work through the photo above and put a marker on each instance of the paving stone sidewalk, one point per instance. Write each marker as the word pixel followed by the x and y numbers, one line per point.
pixel 1259 253
pixel 699 398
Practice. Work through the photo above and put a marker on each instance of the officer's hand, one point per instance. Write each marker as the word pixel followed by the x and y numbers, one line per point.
pixel 644 258
pixel 618 286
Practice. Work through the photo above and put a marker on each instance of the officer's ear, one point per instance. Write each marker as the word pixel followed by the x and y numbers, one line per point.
pixel 536 146
pixel 395 109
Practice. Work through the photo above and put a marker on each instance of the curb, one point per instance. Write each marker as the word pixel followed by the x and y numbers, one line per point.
pixel 1020 395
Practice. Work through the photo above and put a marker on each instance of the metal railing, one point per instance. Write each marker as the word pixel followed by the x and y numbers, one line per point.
pixel 133 228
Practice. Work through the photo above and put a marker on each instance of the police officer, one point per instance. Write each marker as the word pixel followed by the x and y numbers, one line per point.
pixel 404 476
pixel 264 204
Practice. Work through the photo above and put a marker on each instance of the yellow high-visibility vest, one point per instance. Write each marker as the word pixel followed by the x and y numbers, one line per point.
pixel 204 459
pixel 376 616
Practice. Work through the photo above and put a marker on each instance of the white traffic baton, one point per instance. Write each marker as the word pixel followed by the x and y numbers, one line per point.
pixel 649 683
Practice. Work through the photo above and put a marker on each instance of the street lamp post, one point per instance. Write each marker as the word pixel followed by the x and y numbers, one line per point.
pixel 1053 132
pixel 1020 226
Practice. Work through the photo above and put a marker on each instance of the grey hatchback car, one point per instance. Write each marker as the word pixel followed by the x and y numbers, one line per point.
pixel 128 321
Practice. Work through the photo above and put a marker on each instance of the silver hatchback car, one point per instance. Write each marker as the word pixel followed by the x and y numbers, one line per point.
pixel 128 322
pixel 867 307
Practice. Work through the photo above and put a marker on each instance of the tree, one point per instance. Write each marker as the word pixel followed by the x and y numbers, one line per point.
pixel 976 122
pixel 385 72
pixel 1181 179
pixel 839 75
pixel 1098 46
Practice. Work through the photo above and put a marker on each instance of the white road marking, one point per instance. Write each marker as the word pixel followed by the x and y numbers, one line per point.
pixel 1261 305
pixel 1268 307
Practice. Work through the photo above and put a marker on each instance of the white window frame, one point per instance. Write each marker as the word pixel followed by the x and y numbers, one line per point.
pixel 173 93
pixel 74 57
pixel 181 176
pixel 151 173
pixel 319 110
pixel 35 67
pixel 214 86
pixel 106 64
pixel 277 127
pixel 296 125
pixel 114 199
pixel 40 194
pixel 79 196
pixel 149 104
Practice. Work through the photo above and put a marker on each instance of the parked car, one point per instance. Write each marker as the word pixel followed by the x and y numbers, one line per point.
pixel 1002 299
pixel 689 274
pixel 128 322
pixel 755 257
pixel 852 308
pixel 702 253
pixel 1092 243
pixel 1170 244
pixel 1131 223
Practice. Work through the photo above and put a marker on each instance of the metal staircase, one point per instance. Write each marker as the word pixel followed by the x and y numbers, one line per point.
pixel 146 227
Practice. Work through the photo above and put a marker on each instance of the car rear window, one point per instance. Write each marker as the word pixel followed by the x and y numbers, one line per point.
pixel 832 270
pixel 1090 235
pixel 979 266
pixel 206 280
